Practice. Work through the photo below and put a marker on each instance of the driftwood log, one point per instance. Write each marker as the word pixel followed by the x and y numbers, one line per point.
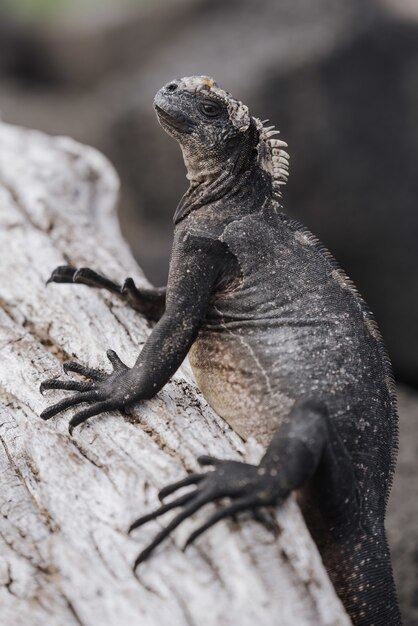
pixel 66 502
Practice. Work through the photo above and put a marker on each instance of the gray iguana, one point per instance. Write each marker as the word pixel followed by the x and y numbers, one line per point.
pixel 281 344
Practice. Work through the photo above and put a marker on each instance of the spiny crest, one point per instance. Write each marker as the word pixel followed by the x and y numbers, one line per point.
pixel 271 155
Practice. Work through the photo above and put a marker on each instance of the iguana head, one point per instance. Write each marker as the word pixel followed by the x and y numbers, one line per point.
pixel 217 133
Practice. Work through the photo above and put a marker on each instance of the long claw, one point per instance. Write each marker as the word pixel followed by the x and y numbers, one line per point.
pixel 66 403
pixel 89 372
pixel 192 507
pixel 238 505
pixel 87 276
pixel 95 409
pixel 70 385
pixel 267 519
pixel 192 479
pixel 160 511
pixel 62 274
pixel 117 364
pixel 130 288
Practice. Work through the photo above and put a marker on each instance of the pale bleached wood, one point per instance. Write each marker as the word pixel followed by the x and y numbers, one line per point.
pixel 65 557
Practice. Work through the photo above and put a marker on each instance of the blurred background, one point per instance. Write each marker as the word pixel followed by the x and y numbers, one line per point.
pixel 339 78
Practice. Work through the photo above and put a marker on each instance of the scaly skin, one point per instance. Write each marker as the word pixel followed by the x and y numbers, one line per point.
pixel 282 346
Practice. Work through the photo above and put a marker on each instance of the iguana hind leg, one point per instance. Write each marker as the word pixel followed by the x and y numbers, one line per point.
pixel 306 448
pixel 343 520
pixel 290 461
pixel 149 301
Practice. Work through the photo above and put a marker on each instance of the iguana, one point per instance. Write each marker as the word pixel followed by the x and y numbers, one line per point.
pixel 281 344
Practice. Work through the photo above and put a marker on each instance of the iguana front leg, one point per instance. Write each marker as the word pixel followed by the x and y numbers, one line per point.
pixel 149 301
pixel 193 275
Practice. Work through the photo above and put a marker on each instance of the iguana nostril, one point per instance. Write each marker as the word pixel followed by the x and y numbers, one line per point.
pixel 172 87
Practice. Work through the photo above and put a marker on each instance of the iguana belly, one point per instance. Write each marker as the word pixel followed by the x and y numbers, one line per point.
pixel 237 385
pixel 251 372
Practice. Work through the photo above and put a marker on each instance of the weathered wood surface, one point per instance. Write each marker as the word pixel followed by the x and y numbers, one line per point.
pixel 65 503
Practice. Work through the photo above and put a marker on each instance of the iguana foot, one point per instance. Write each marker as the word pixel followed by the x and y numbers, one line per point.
pixel 83 276
pixel 247 486
pixel 148 301
pixel 105 392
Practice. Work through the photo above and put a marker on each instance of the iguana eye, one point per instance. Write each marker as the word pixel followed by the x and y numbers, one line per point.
pixel 210 108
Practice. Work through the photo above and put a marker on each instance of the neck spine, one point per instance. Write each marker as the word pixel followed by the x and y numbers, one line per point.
pixel 272 157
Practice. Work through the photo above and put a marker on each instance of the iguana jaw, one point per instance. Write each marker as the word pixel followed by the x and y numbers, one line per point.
pixel 172 120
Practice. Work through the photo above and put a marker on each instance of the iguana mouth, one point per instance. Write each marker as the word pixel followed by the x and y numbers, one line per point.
pixel 174 120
